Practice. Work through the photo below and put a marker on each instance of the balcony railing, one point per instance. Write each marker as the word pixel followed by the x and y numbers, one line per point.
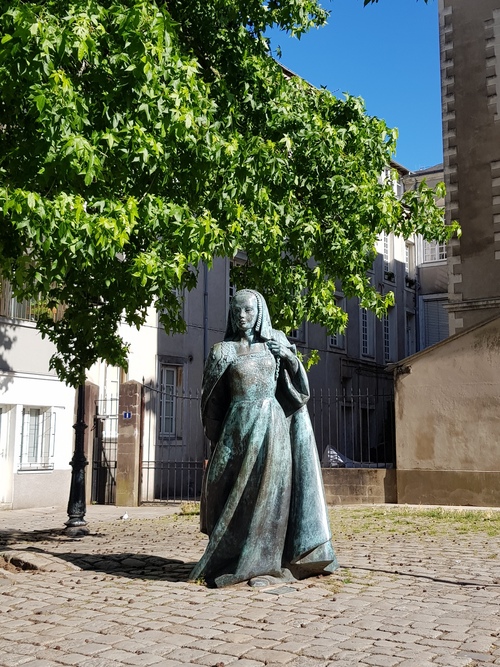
pixel 28 310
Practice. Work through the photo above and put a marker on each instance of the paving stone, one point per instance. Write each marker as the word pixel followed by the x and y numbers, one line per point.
pixel 381 660
pixel 134 615
pixel 270 656
pixel 13 660
pixel 416 662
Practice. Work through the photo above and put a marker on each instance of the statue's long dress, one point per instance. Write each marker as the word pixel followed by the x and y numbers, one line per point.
pixel 262 500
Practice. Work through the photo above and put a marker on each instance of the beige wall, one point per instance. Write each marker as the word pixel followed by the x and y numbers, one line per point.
pixel 448 421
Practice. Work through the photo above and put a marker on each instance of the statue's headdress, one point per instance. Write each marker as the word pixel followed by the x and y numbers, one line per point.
pixel 263 325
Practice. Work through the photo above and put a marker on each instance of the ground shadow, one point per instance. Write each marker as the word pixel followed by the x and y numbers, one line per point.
pixel 12 536
pixel 6 343
pixel 132 565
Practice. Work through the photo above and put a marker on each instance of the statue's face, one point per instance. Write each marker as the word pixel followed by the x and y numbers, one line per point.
pixel 244 309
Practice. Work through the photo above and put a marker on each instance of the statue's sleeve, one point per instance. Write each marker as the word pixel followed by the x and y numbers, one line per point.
pixel 292 390
pixel 214 392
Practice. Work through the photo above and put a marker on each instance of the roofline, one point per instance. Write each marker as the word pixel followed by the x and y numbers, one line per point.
pixel 428 170
pixel 442 343
pixel 403 171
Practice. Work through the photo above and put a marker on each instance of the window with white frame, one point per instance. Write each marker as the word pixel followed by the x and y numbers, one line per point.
pixel 389 322
pixel 386 251
pixel 170 407
pixel 387 337
pixel 367 333
pixel 337 339
pixel 434 251
pixel 298 335
pixel 388 175
pixel 235 262
pixel 409 259
pixel 398 188
pixel 37 439
pixel 168 400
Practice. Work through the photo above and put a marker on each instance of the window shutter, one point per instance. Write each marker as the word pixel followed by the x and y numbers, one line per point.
pixel 436 321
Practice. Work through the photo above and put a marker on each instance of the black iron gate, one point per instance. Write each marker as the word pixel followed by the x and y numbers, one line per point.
pixel 104 452
pixel 173 445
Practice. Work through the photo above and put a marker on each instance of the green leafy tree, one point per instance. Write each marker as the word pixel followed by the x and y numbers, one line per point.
pixel 140 139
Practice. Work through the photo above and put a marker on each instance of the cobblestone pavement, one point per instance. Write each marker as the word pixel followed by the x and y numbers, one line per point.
pixel 120 596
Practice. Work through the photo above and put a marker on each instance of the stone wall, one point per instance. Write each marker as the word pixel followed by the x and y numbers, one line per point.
pixel 357 486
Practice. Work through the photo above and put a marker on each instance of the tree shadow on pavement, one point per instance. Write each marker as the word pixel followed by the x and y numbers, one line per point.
pixel 123 564
pixel 131 565
pixel 14 536
pixel 134 566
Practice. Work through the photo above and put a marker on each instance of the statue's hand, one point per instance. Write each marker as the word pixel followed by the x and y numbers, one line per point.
pixel 283 352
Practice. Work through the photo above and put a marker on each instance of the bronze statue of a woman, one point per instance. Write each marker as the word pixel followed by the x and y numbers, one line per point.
pixel 263 503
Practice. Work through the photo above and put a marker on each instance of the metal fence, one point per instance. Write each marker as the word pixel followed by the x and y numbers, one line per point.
pixel 104 455
pixel 174 447
pixel 354 430
pixel 351 430
pixel 27 309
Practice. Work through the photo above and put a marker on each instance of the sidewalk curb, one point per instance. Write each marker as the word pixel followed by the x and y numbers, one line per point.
pixel 26 559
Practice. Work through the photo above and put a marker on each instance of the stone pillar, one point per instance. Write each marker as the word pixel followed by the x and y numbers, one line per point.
pixel 128 458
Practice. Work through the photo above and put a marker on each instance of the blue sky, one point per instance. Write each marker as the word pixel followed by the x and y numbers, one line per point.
pixel 388 54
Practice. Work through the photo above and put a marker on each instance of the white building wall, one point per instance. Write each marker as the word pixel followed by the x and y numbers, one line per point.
pixel 44 484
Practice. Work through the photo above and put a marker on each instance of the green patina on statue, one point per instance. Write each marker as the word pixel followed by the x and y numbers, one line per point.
pixel 263 503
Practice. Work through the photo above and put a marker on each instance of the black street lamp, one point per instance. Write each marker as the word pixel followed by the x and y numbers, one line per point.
pixel 76 503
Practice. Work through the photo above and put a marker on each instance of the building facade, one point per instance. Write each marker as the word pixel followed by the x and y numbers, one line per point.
pixel 351 404
pixel 447 417
pixel 36 413
pixel 470 80
pixel 431 273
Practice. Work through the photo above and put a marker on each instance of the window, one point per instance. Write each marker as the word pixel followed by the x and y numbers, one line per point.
pixel 239 260
pixel 298 335
pixel 168 400
pixel 387 338
pixel 367 333
pixel 388 175
pixel 434 251
pixel 409 260
pixel 28 310
pixel 338 339
pixel 37 439
pixel 410 347
pixel 390 335
pixel 385 251
pixel 435 321
pixel 11 307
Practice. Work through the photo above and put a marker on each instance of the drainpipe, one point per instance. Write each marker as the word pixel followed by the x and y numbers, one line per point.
pixel 205 311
